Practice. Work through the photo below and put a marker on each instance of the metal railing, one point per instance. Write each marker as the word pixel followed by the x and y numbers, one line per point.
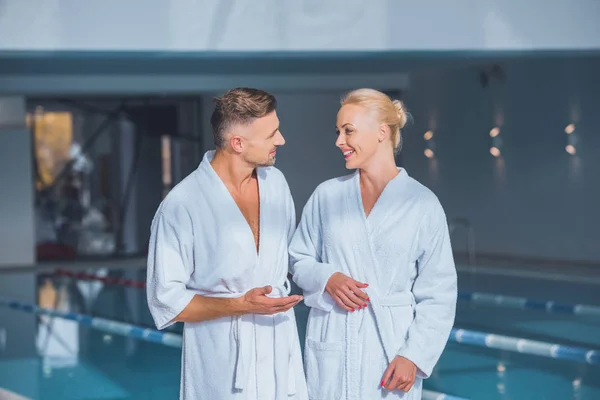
pixel 465 223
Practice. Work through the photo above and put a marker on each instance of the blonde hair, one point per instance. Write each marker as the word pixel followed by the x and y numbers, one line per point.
pixel 388 111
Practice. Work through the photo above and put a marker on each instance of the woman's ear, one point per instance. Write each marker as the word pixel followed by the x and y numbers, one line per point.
pixel 384 132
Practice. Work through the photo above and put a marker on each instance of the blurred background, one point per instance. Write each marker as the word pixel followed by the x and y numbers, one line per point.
pixel 105 106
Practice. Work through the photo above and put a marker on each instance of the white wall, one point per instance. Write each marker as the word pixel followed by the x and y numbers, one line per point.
pixel 17 237
pixel 538 200
pixel 16 185
pixel 273 25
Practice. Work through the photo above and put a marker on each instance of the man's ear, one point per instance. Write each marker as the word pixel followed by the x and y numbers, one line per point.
pixel 237 143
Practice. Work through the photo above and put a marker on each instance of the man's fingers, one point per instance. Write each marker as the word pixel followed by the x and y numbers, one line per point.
pixel 259 291
pixel 294 302
pixel 289 305
pixel 281 307
pixel 268 305
pixel 266 290
pixel 283 301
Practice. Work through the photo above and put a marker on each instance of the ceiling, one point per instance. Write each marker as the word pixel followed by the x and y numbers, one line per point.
pixel 91 73
pixel 81 62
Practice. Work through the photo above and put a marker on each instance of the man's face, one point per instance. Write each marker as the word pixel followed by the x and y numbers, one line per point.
pixel 261 138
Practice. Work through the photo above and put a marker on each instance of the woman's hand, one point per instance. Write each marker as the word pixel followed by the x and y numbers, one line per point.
pixel 400 374
pixel 347 292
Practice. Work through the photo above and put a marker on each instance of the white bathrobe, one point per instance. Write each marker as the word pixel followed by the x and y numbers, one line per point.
pixel 402 251
pixel 201 244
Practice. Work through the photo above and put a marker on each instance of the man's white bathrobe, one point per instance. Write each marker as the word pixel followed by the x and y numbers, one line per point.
pixel 201 244
pixel 402 251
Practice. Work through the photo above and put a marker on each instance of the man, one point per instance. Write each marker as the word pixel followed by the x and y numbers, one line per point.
pixel 218 261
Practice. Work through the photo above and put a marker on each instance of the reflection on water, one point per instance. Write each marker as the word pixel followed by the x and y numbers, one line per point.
pixel 57 339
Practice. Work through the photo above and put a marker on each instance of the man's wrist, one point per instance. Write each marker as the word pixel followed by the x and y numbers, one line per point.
pixel 239 306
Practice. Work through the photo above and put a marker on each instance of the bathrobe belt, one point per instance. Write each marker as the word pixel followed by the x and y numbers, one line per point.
pixel 244 329
pixel 384 324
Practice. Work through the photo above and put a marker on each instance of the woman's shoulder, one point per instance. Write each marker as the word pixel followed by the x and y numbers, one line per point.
pixel 420 191
pixel 427 203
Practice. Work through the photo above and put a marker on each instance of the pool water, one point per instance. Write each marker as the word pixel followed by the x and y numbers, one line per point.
pixel 106 366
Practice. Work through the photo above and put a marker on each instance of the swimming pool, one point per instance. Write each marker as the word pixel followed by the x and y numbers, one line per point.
pixel 78 362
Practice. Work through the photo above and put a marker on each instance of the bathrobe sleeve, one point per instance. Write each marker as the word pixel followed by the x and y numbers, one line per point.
pixel 170 266
pixel 309 273
pixel 435 291
pixel 291 215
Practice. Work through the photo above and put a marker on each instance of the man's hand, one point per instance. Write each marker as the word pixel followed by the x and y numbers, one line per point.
pixel 256 301
pixel 400 374
pixel 347 292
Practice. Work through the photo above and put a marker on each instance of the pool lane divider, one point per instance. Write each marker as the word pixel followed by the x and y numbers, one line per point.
pixel 549 306
pixel 462 336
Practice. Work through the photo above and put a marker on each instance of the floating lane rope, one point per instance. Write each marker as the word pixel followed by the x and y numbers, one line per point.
pixel 525 303
pixel 525 346
pixel 149 335
pixel 102 324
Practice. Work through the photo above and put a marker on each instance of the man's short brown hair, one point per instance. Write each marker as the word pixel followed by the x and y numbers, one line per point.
pixel 239 106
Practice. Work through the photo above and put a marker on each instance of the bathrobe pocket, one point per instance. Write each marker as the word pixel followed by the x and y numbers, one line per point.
pixel 324 369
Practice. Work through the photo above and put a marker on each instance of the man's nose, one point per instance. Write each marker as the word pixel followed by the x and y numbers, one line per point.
pixel 280 139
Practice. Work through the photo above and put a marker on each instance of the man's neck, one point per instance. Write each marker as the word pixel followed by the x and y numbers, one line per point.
pixel 232 170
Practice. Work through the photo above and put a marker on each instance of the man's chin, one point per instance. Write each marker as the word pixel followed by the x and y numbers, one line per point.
pixel 268 163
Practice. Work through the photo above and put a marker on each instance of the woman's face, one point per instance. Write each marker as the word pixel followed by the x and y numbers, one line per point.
pixel 359 135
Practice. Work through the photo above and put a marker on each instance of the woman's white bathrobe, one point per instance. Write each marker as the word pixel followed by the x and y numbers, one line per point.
pixel 402 251
pixel 201 244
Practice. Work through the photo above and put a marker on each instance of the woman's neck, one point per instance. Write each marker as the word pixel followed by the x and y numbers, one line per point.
pixel 377 174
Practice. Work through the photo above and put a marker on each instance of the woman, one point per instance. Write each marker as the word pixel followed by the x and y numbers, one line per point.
pixel 372 255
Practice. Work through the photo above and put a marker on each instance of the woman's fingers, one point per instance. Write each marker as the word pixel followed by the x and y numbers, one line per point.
pixel 347 292
pixel 364 297
pixel 387 375
pixel 342 304
pixel 359 284
pixel 356 301
pixel 347 302
pixel 405 387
